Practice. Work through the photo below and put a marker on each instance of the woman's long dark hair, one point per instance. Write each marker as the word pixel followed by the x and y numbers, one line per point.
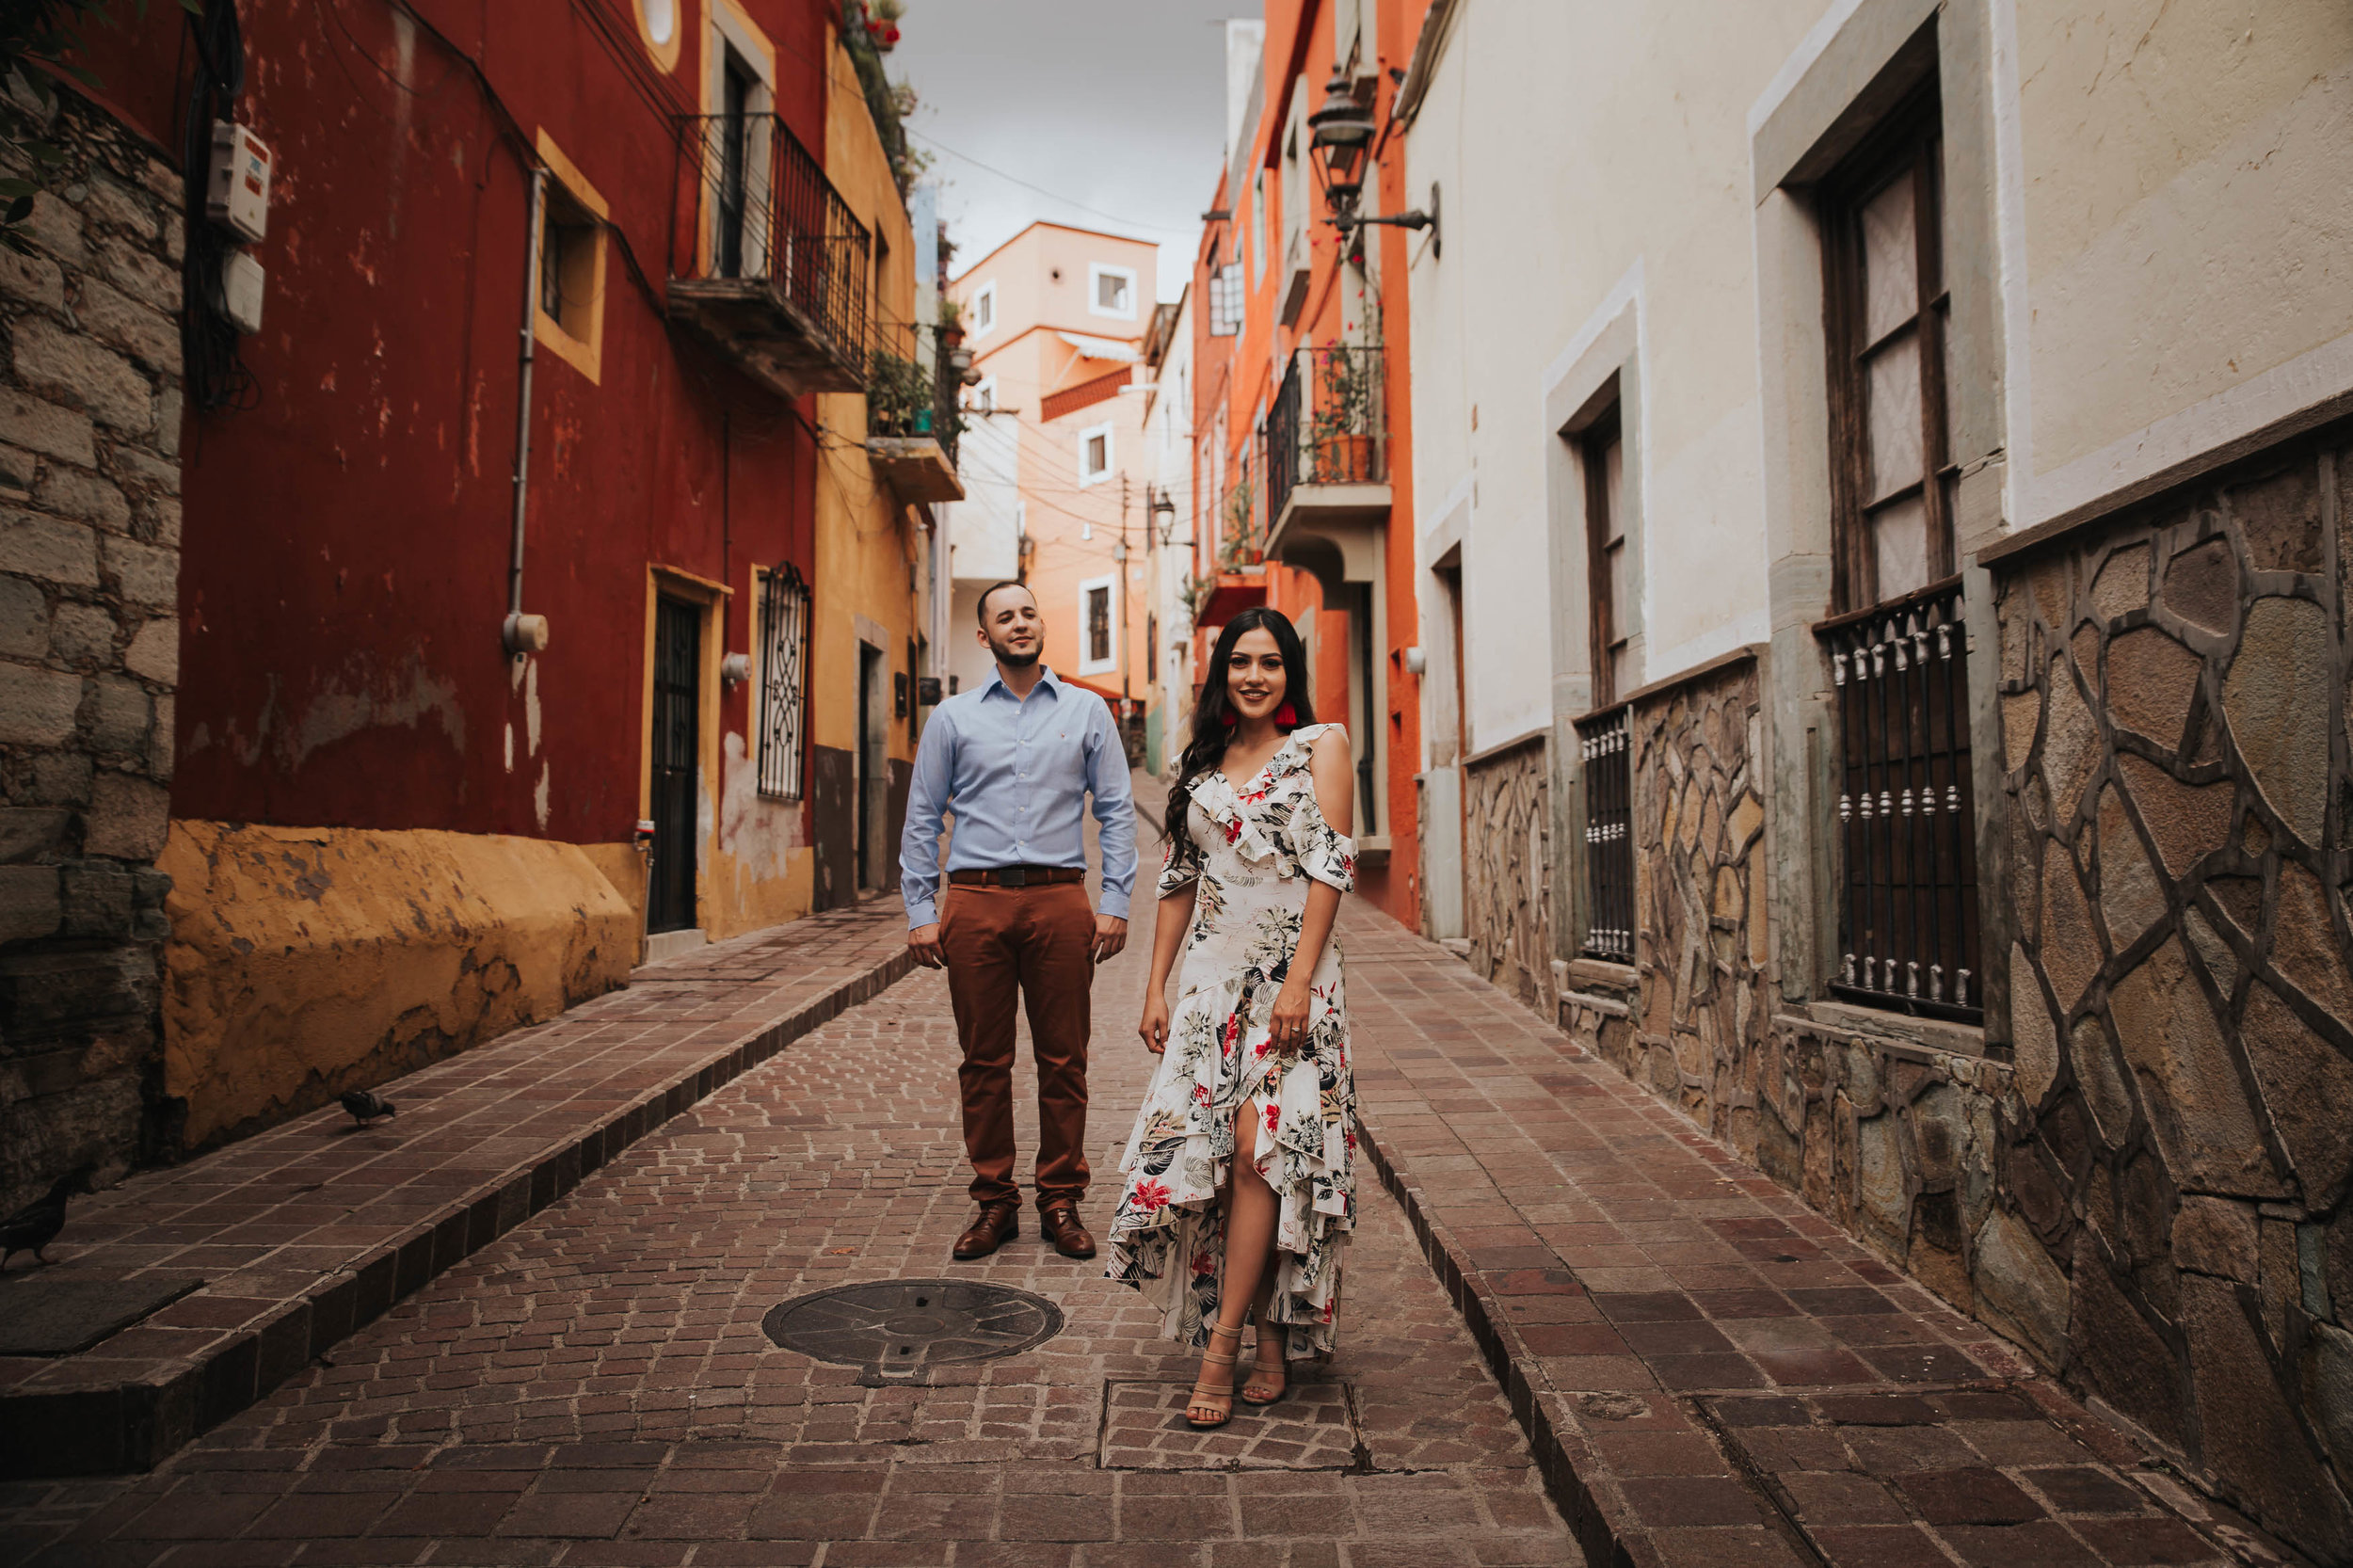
pixel 1213 717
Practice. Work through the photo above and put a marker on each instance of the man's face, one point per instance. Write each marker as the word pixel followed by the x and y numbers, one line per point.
pixel 1011 627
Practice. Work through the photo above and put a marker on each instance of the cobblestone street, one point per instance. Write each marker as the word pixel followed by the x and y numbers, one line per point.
pixel 596 1387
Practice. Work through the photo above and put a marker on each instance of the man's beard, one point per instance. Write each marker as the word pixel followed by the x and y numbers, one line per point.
pixel 1012 660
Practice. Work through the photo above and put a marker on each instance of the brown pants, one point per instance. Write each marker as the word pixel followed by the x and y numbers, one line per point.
pixel 1034 940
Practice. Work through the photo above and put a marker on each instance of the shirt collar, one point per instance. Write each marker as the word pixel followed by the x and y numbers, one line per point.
pixel 1047 678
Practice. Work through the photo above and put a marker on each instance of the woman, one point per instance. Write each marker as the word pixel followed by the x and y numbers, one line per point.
pixel 1240 1186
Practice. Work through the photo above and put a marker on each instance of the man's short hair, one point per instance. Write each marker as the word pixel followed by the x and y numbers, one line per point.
pixel 1007 583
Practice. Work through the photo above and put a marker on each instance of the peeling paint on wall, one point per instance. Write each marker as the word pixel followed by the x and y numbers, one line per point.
pixel 304 962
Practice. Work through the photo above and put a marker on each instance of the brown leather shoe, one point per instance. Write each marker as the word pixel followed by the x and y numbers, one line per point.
pixel 999 1223
pixel 1060 1222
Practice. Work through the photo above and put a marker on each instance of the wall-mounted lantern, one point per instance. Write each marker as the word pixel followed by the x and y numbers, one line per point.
pixel 1341 145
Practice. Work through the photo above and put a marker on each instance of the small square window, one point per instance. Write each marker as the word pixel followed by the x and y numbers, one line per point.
pixel 567 264
pixel 984 309
pixel 1098 646
pixel 569 290
pixel 1095 453
pixel 1111 291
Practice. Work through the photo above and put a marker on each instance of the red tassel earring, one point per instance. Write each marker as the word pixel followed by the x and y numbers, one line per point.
pixel 1286 716
pixel 1230 719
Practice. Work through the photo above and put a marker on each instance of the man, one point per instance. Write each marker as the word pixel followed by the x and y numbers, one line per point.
pixel 1014 762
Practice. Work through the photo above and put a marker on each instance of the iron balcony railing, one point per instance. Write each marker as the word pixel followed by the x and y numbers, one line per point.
pixel 761 210
pixel 1604 744
pixel 1909 906
pixel 911 390
pixel 1328 425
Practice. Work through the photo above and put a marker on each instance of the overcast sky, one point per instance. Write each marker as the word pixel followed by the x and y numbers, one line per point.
pixel 1107 114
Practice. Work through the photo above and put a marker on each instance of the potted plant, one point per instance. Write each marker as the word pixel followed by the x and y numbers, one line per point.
pixel 882 23
pixel 1344 432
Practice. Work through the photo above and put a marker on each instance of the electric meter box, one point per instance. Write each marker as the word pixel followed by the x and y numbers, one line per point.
pixel 236 187
pixel 242 281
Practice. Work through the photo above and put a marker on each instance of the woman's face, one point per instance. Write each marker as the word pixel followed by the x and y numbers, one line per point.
pixel 1254 676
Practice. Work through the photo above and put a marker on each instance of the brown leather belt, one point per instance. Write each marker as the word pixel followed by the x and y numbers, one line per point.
pixel 1017 876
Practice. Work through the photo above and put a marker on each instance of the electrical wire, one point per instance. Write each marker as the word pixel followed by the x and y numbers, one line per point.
pixel 1041 190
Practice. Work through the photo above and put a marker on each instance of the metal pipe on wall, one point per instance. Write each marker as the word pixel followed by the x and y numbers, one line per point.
pixel 521 633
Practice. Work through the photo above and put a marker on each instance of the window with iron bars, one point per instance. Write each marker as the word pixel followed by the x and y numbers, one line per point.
pixel 783 682
pixel 1898 655
pixel 1605 744
pixel 1908 927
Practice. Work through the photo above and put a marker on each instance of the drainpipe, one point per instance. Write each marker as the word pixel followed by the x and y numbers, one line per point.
pixel 521 633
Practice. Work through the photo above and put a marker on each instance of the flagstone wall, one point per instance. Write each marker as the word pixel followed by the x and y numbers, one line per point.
pixel 2147 1188
pixel 1508 873
pixel 2173 713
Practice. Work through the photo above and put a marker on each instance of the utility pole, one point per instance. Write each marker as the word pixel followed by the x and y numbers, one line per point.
pixel 1126 651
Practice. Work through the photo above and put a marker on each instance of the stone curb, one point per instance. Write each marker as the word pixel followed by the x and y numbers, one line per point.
pixel 1561 1457
pixel 136 1426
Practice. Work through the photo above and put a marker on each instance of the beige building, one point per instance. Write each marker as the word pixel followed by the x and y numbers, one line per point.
pixel 1053 455
pixel 1893 569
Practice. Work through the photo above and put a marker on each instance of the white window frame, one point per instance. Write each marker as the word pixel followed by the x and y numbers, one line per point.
pixel 1111 459
pixel 982 399
pixel 983 305
pixel 1110 584
pixel 1096 272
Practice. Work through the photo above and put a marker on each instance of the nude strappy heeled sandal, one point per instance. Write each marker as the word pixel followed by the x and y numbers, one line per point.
pixel 1204 1397
pixel 1279 1376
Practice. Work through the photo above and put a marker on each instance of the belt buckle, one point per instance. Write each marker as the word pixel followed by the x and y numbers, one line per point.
pixel 1013 876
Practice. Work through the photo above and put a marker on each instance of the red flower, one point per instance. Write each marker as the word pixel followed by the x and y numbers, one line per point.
pixel 1352 1140
pixel 1151 1196
pixel 1204 1263
pixel 1233 831
pixel 1200 1094
pixel 1273 1115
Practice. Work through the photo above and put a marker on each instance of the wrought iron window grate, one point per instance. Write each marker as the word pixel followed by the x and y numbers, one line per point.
pixel 1606 746
pixel 783 683
pixel 1909 923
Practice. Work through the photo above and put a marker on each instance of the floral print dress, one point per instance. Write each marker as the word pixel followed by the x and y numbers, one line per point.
pixel 1253 850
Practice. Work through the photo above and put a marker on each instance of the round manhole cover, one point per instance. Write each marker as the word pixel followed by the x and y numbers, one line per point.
pixel 899 1329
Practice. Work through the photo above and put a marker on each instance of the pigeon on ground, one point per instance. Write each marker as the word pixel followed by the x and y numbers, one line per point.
pixel 35 1226
pixel 365 1105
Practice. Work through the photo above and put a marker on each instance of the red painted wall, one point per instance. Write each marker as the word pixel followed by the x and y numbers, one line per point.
pixel 346 535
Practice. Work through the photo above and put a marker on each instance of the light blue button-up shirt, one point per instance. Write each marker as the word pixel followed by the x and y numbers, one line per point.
pixel 1015 774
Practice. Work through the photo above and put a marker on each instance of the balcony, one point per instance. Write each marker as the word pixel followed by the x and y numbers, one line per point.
pixel 1327 449
pixel 769 266
pixel 912 420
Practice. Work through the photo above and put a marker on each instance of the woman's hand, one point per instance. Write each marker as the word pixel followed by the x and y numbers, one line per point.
pixel 1287 1025
pixel 1154 1026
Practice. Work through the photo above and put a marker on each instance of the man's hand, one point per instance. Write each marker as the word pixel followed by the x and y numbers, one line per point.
pixel 1110 934
pixel 924 941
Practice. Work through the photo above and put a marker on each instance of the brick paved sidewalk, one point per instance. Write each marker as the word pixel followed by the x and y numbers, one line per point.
pixel 1710 1372
pixel 307 1231
pixel 596 1386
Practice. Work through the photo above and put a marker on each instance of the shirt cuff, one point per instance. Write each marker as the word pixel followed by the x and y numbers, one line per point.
pixel 1115 904
pixel 922 914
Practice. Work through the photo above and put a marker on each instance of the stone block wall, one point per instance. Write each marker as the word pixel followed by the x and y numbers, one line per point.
pixel 90 650
pixel 2173 710
pixel 1507 854
pixel 1699 821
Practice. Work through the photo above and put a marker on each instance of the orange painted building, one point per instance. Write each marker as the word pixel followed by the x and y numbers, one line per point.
pixel 1302 442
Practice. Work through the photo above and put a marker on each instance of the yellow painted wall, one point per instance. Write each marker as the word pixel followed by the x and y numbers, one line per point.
pixel 865 544
pixel 304 962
